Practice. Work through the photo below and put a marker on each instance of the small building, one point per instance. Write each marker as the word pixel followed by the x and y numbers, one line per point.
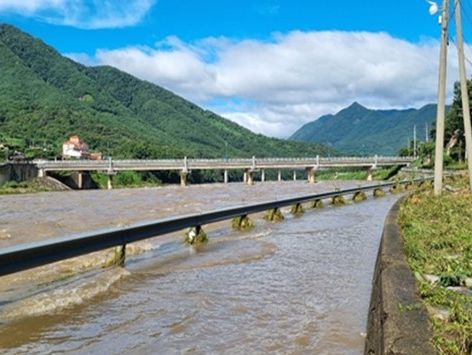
pixel 74 147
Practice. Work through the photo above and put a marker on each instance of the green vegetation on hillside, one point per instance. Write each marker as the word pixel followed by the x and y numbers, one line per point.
pixel 44 97
pixel 438 240
pixel 359 130
pixel 454 139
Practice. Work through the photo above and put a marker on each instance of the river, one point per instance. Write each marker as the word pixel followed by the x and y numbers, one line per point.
pixel 299 286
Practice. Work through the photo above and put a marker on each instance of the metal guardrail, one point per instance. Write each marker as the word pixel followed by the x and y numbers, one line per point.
pixel 30 255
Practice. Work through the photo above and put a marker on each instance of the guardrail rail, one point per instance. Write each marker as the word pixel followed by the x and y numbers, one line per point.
pixel 26 256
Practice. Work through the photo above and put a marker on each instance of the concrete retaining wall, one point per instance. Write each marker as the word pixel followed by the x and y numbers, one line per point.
pixel 398 322
pixel 17 172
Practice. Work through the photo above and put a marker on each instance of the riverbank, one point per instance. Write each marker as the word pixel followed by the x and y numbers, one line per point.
pixel 31 186
pixel 437 232
pixel 135 180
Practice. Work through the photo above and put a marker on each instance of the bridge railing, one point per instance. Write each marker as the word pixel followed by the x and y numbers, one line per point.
pixel 27 256
pixel 176 164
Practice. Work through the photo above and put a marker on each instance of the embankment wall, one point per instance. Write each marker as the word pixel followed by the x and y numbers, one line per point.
pixel 398 322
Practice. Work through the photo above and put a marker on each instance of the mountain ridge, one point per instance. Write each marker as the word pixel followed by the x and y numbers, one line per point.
pixel 45 96
pixel 357 129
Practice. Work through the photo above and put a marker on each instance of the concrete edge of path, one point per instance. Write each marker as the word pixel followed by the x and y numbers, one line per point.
pixel 398 322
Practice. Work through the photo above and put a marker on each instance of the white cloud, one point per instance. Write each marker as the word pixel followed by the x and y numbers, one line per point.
pixel 86 14
pixel 280 84
pixel 30 6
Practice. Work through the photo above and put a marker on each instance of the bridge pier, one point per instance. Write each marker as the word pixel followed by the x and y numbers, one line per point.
pixel 109 182
pixel 110 173
pixel 184 178
pixel 249 177
pixel 41 173
pixel 311 175
pixel 225 176
pixel 369 173
pixel 279 176
pixel 294 175
pixel 80 180
pixel 263 175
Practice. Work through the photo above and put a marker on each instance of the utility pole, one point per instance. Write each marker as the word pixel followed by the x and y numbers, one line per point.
pixel 414 141
pixel 439 159
pixel 464 90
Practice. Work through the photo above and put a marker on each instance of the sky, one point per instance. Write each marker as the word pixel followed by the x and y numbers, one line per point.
pixel 269 65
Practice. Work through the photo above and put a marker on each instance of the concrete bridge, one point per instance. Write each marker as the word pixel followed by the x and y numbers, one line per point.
pixel 249 166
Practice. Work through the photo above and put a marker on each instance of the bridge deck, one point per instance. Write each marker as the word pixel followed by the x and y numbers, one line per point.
pixel 210 164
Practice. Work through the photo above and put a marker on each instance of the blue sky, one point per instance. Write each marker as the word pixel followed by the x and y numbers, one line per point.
pixel 270 65
pixel 191 20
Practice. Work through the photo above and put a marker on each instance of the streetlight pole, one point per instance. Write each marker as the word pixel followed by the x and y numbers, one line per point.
pixel 441 109
pixel 464 89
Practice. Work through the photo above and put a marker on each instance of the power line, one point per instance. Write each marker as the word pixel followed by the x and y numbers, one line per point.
pixel 451 40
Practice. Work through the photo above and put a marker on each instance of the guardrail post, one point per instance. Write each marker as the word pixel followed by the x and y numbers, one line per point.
pixel 242 223
pixel 317 204
pixel 196 235
pixel 397 188
pixel 274 215
pixel 338 200
pixel 410 185
pixel 118 258
pixel 359 196
pixel 297 209
pixel 379 192
pixel 279 175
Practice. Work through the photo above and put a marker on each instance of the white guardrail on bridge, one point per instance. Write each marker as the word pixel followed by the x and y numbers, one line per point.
pixel 207 164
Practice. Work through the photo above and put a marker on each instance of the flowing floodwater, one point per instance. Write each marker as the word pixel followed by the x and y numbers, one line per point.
pixel 299 286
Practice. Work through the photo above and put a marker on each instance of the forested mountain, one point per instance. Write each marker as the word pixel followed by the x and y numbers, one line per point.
pixel 359 130
pixel 44 97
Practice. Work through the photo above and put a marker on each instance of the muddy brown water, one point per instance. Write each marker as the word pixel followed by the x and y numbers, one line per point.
pixel 295 287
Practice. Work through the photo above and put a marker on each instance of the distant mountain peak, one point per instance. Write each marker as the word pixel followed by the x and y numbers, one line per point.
pixel 359 130
pixel 356 104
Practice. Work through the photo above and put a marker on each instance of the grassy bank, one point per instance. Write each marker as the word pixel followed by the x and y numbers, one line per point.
pixel 352 174
pixel 24 187
pixel 438 238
